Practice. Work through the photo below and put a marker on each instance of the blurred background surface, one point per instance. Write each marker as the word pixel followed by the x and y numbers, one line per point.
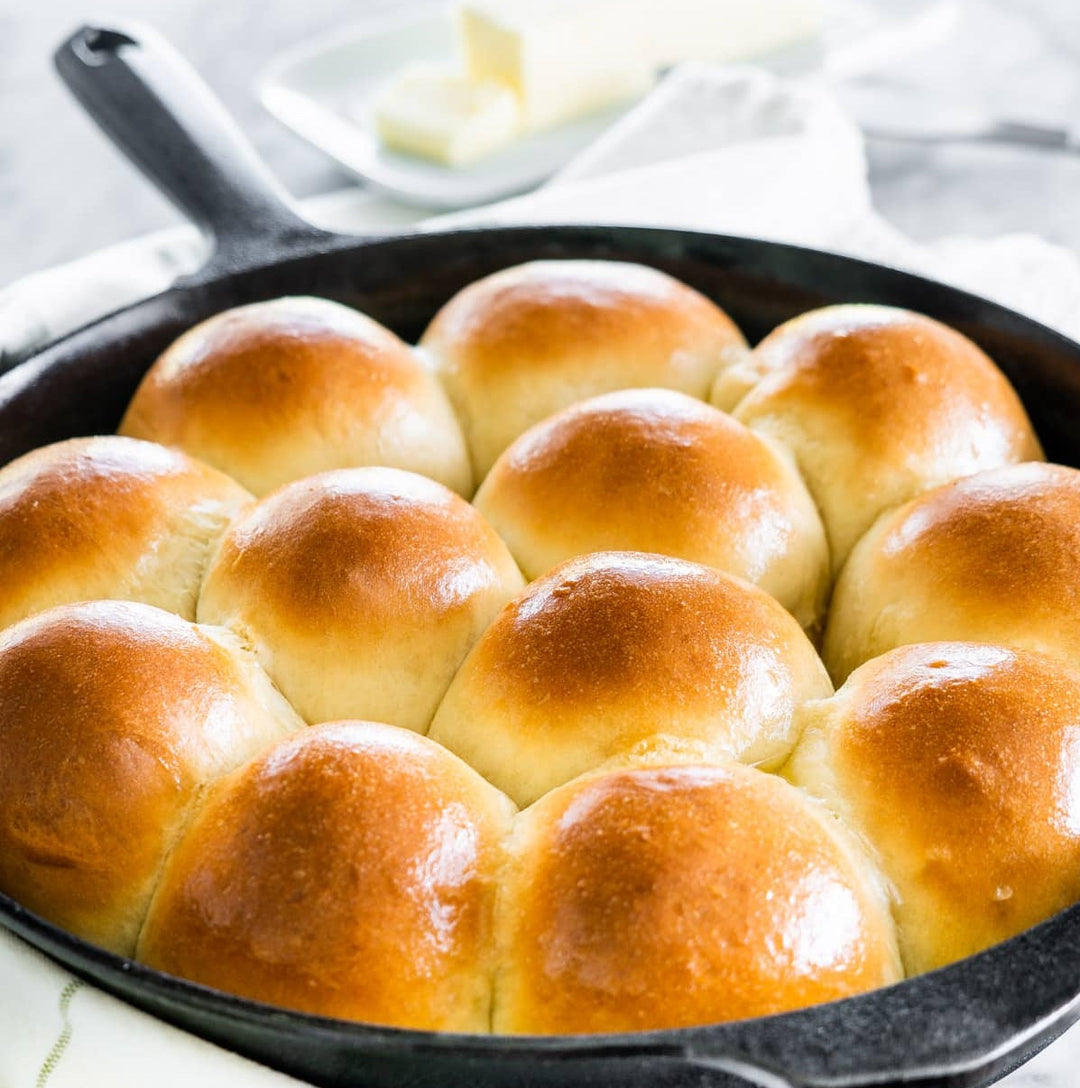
pixel 64 192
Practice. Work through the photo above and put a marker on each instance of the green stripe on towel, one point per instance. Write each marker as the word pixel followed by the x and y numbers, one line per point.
pixel 52 1059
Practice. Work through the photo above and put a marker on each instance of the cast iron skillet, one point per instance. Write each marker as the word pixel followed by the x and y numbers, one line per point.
pixel 965 1025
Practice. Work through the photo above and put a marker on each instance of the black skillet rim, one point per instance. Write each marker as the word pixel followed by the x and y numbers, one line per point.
pixel 759 1043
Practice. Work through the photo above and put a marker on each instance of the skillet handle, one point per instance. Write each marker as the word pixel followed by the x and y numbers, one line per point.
pixel 153 105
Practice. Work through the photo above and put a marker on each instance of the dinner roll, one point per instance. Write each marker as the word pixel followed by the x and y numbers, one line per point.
pixel 655 470
pixel 993 557
pixel 108 517
pixel 361 591
pixel 527 341
pixel 113 716
pixel 350 872
pixel 613 648
pixel 660 897
pixel 877 405
pixel 279 390
pixel 959 763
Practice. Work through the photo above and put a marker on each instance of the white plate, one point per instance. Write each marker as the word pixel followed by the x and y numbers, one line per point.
pixel 323 91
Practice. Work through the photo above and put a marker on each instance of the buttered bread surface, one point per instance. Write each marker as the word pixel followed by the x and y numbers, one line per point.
pixel 487 683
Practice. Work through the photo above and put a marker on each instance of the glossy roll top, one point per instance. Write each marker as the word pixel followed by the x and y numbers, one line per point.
pixel 349 871
pixel 361 590
pixel 279 390
pixel 112 717
pixel 959 763
pixel 994 557
pixel 876 404
pixel 108 517
pixel 656 897
pixel 615 649
pixel 518 345
pixel 657 471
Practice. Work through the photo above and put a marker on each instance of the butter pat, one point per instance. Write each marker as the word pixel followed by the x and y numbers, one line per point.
pixel 567 58
pixel 433 111
pixel 562 58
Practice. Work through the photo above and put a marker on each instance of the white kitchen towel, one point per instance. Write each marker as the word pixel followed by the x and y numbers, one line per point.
pixel 728 150
pixel 58 1031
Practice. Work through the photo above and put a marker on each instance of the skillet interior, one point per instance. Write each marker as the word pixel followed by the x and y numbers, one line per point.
pixel 964 1025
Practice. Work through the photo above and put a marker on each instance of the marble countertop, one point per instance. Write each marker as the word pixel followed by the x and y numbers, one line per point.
pixel 65 192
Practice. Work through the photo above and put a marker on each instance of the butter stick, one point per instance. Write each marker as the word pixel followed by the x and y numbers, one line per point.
pixel 566 58
pixel 562 58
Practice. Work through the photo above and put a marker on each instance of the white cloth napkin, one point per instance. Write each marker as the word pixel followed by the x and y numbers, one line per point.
pixel 728 150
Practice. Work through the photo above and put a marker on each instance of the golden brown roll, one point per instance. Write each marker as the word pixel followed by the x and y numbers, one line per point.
pixel 361 590
pixel 660 897
pixel 994 557
pixel 108 517
pixel 877 405
pixel 612 649
pixel 349 871
pixel 959 763
pixel 657 471
pixel 112 717
pixel 518 345
pixel 279 390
